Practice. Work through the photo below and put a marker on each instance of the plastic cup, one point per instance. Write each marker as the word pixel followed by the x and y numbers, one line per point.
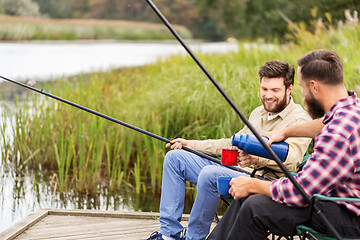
pixel 224 185
pixel 229 157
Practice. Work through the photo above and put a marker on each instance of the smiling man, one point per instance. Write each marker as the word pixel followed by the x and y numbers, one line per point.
pixel 278 111
pixel 332 170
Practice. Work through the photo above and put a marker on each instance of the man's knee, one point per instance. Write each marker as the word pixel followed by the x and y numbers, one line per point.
pixel 208 176
pixel 256 204
pixel 172 157
pixel 209 173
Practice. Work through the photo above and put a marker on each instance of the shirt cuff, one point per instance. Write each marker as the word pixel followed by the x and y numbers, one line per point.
pixel 274 190
pixel 262 163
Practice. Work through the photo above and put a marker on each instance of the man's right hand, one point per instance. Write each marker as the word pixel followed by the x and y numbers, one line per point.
pixel 275 136
pixel 178 143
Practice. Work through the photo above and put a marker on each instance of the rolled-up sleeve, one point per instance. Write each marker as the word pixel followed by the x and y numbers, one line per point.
pixel 328 166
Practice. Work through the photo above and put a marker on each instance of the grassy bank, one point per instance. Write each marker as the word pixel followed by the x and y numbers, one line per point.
pixel 30 28
pixel 172 98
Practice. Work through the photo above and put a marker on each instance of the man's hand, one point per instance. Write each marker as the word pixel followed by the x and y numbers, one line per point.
pixel 178 143
pixel 239 187
pixel 244 186
pixel 275 136
pixel 246 160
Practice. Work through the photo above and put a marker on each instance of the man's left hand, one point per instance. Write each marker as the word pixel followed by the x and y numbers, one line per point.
pixel 240 187
pixel 244 186
pixel 246 160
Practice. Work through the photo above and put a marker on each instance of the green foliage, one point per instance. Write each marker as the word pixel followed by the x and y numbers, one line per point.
pixel 270 19
pixel 209 19
pixel 212 19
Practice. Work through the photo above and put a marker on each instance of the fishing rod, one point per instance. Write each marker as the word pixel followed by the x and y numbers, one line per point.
pixel 122 123
pixel 242 117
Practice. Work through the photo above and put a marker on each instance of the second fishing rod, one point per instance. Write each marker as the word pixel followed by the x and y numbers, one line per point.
pixel 213 159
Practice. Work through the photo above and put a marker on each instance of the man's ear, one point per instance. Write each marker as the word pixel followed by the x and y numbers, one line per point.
pixel 314 86
pixel 289 89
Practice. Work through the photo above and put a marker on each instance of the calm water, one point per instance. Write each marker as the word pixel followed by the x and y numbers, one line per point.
pixel 24 191
pixel 25 61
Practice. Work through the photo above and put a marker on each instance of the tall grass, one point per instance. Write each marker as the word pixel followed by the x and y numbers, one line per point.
pixel 29 28
pixel 170 98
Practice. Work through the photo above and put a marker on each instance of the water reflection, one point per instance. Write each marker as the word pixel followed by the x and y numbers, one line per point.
pixel 26 191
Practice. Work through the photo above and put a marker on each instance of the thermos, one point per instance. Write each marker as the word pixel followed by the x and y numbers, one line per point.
pixel 250 144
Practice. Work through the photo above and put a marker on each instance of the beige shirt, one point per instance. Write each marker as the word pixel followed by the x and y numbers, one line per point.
pixel 293 114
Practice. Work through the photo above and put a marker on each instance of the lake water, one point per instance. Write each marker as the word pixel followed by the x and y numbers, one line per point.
pixel 43 61
pixel 24 191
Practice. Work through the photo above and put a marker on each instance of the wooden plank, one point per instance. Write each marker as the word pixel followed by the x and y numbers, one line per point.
pixel 85 224
pixel 99 213
pixel 80 223
pixel 120 229
pixel 23 225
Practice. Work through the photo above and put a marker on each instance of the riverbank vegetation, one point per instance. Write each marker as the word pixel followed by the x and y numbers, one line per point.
pixel 171 98
pixel 206 19
pixel 14 28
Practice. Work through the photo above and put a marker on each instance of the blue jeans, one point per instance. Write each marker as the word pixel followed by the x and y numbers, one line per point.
pixel 180 166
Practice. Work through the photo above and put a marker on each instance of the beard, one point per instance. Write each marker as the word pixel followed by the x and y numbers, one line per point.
pixel 281 105
pixel 313 107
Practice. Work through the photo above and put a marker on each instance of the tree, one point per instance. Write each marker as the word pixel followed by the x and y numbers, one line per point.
pixel 21 8
pixel 210 19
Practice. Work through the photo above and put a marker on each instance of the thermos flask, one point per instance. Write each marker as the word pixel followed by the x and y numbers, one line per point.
pixel 250 144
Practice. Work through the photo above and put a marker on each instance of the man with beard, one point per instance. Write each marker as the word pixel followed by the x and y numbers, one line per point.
pixel 332 170
pixel 278 111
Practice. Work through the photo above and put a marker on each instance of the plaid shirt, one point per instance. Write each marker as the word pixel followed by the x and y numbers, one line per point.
pixel 333 169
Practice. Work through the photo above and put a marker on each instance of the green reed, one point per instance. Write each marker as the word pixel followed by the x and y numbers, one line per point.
pixel 170 98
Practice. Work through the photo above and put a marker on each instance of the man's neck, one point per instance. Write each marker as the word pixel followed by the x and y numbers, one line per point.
pixel 332 95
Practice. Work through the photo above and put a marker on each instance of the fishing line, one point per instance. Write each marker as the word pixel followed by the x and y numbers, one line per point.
pixel 241 115
pixel 122 123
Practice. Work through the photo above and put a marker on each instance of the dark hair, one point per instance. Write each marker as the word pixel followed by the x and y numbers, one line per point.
pixel 277 69
pixel 323 65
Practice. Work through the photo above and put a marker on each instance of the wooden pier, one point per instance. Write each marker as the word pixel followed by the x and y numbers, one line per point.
pixel 54 224
pixel 57 224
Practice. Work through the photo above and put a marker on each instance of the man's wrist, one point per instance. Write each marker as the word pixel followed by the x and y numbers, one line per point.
pixel 260 187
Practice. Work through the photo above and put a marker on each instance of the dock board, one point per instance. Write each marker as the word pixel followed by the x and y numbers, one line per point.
pixel 54 224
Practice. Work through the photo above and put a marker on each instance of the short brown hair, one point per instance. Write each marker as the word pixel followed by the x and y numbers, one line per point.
pixel 277 69
pixel 323 65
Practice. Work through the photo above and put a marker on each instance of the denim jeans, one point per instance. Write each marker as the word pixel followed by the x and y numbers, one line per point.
pixel 180 166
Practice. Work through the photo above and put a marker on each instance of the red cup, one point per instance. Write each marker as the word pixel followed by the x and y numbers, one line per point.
pixel 229 157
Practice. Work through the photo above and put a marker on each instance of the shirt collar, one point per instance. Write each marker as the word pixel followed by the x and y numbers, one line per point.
pixel 287 110
pixel 350 100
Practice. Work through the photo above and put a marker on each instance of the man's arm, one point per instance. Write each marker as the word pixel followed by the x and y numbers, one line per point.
pixel 210 146
pixel 308 130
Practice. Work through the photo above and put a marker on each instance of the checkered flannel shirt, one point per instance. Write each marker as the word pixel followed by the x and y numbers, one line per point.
pixel 333 169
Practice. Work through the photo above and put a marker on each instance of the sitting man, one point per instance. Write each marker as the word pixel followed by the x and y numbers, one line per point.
pixel 278 111
pixel 332 170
